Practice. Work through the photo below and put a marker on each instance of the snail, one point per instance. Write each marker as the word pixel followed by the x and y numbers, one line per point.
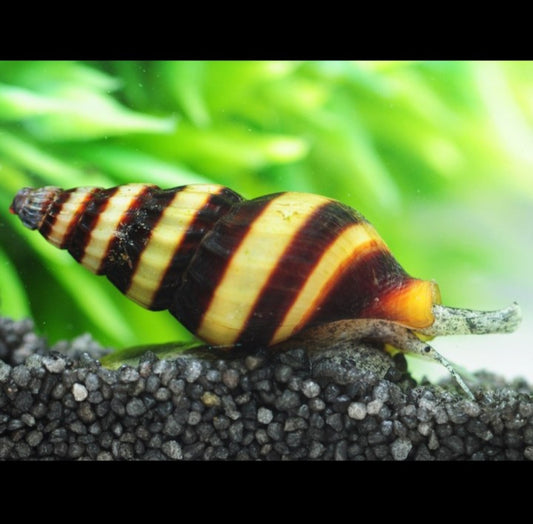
pixel 237 272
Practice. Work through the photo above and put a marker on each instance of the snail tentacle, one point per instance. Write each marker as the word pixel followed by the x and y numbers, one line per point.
pixel 458 321
pixel 396 335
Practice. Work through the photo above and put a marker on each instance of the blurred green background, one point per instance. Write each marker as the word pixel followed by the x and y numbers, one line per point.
pixel 437 155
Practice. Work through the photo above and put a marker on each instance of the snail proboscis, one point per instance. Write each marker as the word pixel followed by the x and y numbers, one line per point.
pixel 242 272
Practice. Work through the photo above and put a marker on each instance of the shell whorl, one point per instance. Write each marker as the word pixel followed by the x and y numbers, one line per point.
pixel 32 205
pixel 279 263
pixel 138 235
pixel 232 271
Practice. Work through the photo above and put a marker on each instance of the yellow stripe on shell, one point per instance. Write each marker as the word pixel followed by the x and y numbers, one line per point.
pixel 166 236
pixel 67 215
pixel 107 223
pixel 358 238
pixel 252 264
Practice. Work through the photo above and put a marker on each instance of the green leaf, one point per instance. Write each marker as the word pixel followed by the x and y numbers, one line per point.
pixel 31 157
pixel 44 75
pixel 17 103
pixel 84 115
pixel 129 165
pixel 185 82
pixel 229 148
pixel 13 299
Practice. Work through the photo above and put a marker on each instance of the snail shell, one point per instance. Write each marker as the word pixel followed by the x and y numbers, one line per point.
pixel 240 272
pixel 233 271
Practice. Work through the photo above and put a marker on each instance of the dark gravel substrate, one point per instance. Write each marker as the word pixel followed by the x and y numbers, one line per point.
pixel 60 403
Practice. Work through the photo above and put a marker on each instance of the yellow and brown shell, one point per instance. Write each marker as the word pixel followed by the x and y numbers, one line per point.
pixel 233 271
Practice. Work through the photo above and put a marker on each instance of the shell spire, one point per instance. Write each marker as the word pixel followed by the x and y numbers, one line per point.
pixel 32 205
pixel 140 236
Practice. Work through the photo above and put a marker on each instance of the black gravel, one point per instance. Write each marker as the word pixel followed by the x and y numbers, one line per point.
pixel 61 403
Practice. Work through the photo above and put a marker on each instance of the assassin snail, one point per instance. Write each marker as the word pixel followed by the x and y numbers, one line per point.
pixel 239 272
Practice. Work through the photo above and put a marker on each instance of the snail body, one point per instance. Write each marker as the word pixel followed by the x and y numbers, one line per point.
pixel 243 272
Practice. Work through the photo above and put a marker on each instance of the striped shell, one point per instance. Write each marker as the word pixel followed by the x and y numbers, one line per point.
pixel 233 271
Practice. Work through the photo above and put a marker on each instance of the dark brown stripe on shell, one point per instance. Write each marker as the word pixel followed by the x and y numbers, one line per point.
pixel 80 235
pixel 370 274
pixel 54 210
pixel 211 260
pixel 133 233
pixel 293 269
pixel 71 231
pixel 204 221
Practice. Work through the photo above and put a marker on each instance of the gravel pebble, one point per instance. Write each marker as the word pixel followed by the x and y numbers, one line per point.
pixel 528 453
pixel 264 415
pixel 400 449
pixel 60 403
pixel 193 370
pixel 54 365
pixel 5 370
pixel 92 382
pixel 310 388
pixel 316 449
pixel 210 399
pixel 374 407
pixel 172 449
pixel 135 407
pixel 128 374
pixel 21 375
pixel 80 392
pixel 230 378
